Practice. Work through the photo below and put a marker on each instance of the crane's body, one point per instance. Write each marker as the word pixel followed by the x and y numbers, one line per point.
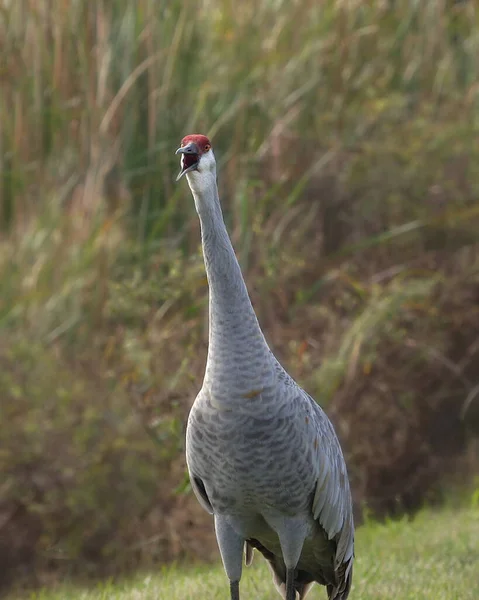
pixel 263 457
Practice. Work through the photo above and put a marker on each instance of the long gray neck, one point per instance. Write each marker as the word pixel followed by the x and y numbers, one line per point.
pixel 239 361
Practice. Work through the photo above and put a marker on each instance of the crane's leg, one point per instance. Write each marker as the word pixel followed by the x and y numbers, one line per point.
pixel 231 550
pixel 292 532
pixel 234 590
pixel 290 589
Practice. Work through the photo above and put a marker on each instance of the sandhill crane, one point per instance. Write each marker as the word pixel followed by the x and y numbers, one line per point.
pixel 262 456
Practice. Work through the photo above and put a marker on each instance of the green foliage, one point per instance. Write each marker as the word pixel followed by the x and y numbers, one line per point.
pixel 74 458
pixel 376 321
pixel 123 81
pixel 346 137
pixel 92 426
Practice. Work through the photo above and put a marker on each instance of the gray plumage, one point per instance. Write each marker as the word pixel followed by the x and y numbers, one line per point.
pixel 263 457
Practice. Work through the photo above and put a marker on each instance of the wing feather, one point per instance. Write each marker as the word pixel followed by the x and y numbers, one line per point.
pixel 332 503
pixel 248 554
pixel 200 493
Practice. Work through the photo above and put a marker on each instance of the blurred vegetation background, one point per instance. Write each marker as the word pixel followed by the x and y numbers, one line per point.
pixel 347 139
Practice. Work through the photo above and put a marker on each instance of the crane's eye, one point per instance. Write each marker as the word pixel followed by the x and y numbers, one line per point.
pixel 207 147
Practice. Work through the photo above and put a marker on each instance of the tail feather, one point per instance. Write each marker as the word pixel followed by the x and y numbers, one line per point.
pixel 341 590
pixel 248 554
pixel 303 580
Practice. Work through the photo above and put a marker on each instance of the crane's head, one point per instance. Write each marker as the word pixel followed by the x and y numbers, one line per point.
pixel 196 155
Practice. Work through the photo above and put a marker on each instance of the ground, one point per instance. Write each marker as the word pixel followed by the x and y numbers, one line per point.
pixel 434 556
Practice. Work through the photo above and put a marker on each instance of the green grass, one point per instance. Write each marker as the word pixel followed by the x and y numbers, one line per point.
pixel 434 556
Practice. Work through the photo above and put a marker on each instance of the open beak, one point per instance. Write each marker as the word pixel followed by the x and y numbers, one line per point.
pixel 189 159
